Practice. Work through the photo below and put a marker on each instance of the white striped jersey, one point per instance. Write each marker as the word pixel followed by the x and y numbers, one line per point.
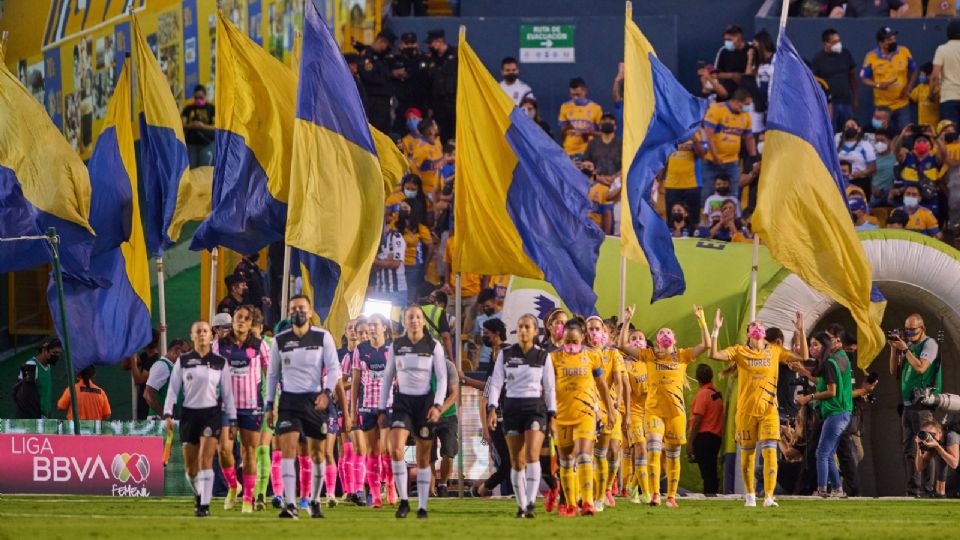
pixel 299 362
pixel 526 375
pixel 204 380
pixel 245 363
pixel 392 248
pixel 371 362
pixel 413 365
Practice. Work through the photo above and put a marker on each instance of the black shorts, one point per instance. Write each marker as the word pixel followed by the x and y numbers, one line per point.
pixel 410 413
pixel 196 423
pixel 297 413
pixel 445 442
pixel 248 419
pixel 524 414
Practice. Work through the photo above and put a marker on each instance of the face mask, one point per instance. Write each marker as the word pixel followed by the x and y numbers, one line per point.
pixel 880 147
pixel 723 191
pixel 911 333
pixel 557 331
pixel 757 332
pixel 530 112
pixel 489 311
pixel 922 79
pixel 487 342
pixel 410 193
pixel 408 51
pixel 877 124
pixel 748 108
pixel 760 147
pixel 596 336
pixel 921 148
pixel 836 48
pixel 572 348
pixel 511 78
pixel 54 358
pixel 639 343
pixel 676 217
pixel 580 101
pixel 299 318
pixel 665 341
pixel 951 137
pixel 850 133
pixel 890 48
pixel 911 202
pixel 412 124
pixel 607 128
pixel 729 45
pixel 200 101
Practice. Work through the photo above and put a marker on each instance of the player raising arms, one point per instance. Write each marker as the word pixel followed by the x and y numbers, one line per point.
pixel 416 358
pixel 580 389
pixel 665 417
pixel 205 381
pixel 757 420
pixel 369 370
pixel 636 441
pixel 529 408
pixel 298 359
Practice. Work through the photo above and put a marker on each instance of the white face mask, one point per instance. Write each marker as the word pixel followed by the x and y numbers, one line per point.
pixel 760 147
pixel 911 202
pixel 880 147
pixel 836 47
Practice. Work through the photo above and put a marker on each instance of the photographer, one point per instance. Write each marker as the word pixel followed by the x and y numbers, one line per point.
pixel 944 450
pixel 915 362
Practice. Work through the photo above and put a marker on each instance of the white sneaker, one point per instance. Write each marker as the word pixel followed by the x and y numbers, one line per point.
pixel 750 500
pixel 636 498
pixel 598 506
pixel 768 502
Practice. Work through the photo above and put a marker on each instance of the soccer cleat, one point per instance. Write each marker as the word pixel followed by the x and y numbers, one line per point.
pixel 550 499
pixel 441 491
pixel 769 502
pixel 360 499
pixel 646 497
pixel 654 500
pixel 611 502
pixel 196 503
pixel 519 513
pixel 392 494
pixel 566 510
pixel 750 500
pixel 529 512
pixel 202 511
pixel 598 506
pixel 403 509
pixel 636 499
pixel 277 502
pixel 246 508
pixel 332 502
pixel 587 510
pixel 304 503
pixel 230 500
pixel 290 512
pixel 422 513
pixel 626 492
pixel 261 504
pixel 377 502
pixel 315 510
pixel 672 503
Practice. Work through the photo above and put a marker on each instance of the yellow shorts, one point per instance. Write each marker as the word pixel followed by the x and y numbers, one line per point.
pixel 753 429
pixel 585 428
pixel 616 432
pixel 635 434
pixel 673 431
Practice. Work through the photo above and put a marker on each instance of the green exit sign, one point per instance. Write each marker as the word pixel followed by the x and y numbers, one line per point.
pixel 547 43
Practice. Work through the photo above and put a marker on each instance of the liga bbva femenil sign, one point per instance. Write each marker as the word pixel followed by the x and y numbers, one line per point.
pixel 86 464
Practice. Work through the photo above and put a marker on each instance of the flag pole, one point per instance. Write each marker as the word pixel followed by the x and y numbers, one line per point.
pixel 285 285
pixel 54 241
pixel 458 356
pixel 623 286
pixel 162 307
pixel 212 302
pixel 754 269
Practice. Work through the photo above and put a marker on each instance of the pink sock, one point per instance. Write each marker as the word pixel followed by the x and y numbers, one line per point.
pixel 343 472
pixel 386 470
pixel 249 482
pixel 230 475
pixel 359 472
pixel 276 475
pixel 346 468
pixel 306 476
pixel 330 482
pixel 373 475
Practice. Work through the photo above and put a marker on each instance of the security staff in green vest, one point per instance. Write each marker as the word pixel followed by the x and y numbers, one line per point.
pixel 437 324
pixel 47 356
pixel 155 390
pixel 447 440
pixel 914 360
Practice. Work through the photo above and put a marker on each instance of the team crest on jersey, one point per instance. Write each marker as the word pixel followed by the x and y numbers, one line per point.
pixel 286 361
pixel 424 432
pixel 189 377
pixel 208 431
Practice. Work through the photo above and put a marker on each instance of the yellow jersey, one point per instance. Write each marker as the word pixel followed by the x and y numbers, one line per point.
pixel 427 159
pixel 682 165
pixel 612 363
pixel 729 128
pixel 757 374
pixel 577 394
pixel 928 112
pixel 637 374
pixel 584 119
pixel 922 220
pixel 499 284
pixel 418 242
pixel 407 143
pixel 895 68
pixel 597 194
pixel 665 383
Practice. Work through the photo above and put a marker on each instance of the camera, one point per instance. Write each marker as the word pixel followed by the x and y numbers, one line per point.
pixel 872 377
pixel 893 335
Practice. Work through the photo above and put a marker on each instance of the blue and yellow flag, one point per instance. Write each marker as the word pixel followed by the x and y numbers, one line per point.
pixel 336 198
pixel 658 113
pixel 521 205
pixel 108 324
pixel 256 97
pixel 43 184
pixel 801 212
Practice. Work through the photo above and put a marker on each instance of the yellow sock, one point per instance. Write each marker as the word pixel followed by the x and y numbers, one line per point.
pixel 628 480
pixel 642 475
pixel 653 466
pixel 673 470
pixel 568 479
pixel 768 449
pixel 612 475
pixel 600 472
pixel 585 477
pixel 748 465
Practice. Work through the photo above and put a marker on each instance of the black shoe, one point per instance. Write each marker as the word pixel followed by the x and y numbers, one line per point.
pixel 290 512
pixel 202 511
pixel 359 501
pixel 315 509
pixel 403 509
pixel 196 503
pixel 352 498
pixel 475 490
pixel 422 514
pixel 529 512
pixel 441 490
pixel 520 513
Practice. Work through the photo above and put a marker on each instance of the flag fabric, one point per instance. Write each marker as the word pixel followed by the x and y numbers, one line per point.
pixel 318 279
pixel 521 205
pixel 256 96
pixel 393 164
pixel 658 113
pixel 163 148
pixel 193 201
pixel 108 324
pixel 801 212
pixel 43 183
pixel 336 190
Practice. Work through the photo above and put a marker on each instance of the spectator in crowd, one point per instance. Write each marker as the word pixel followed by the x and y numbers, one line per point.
pixel 835 65
pixel 867 8
pixel 413 89
pixel 706 430
pixel 886 165
pixel 412 117
pixel 251 274
pixel 921 166
pixel 680 222
pixel 859 213
pixel 427 156
pixel 155 389
pixel 945 77
pixel 437 322
pixel 139 366
pixel 879 121
pixel 727 129
pixel 710 86
pixel 376 77
pixel 915 361
pixel 681 184
pixel 236 294
pixel 221 324
pixel 599 194
pixel 732 59
pixel 720 195
pixel 920 219
pixel 92 402
pixel 198 128
pixel 389 272
pixel 530 108
pixel 579 119
pixel 442 69
pixel 859 153
pixel 487 310
pixel 938 450
pixel 760 69
pixel 354 61
pixel 604 151
pixel 48 354
pixel 411 223
pixel 724 224
pixel 511 83
pixel 749 182
pixel 898 219
pixel 891 71
pixel 926 97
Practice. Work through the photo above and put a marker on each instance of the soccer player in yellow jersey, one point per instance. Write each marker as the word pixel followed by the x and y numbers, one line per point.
pixel 637 480
pixel 606 452
pixel 581 389
pixel 665 416
pixel 757 419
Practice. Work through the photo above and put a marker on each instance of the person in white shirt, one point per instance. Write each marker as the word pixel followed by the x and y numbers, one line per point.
pixel 511 83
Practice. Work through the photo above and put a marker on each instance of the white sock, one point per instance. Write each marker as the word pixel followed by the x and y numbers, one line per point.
pixel 205 486
pixel 318 478
pixel 400 477
pixel 533 472
pixel 423 487
pixel 519 481
pixel 192 482
pixel 288 470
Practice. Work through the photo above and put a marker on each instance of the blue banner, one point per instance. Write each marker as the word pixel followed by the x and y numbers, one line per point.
pixel 191 47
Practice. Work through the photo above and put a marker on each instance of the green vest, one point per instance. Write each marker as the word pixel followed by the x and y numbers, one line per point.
pixel 843 401
pixel 910 380
pixel 433 386
pixel 44 385
pixel 162 392
pixel 432 314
